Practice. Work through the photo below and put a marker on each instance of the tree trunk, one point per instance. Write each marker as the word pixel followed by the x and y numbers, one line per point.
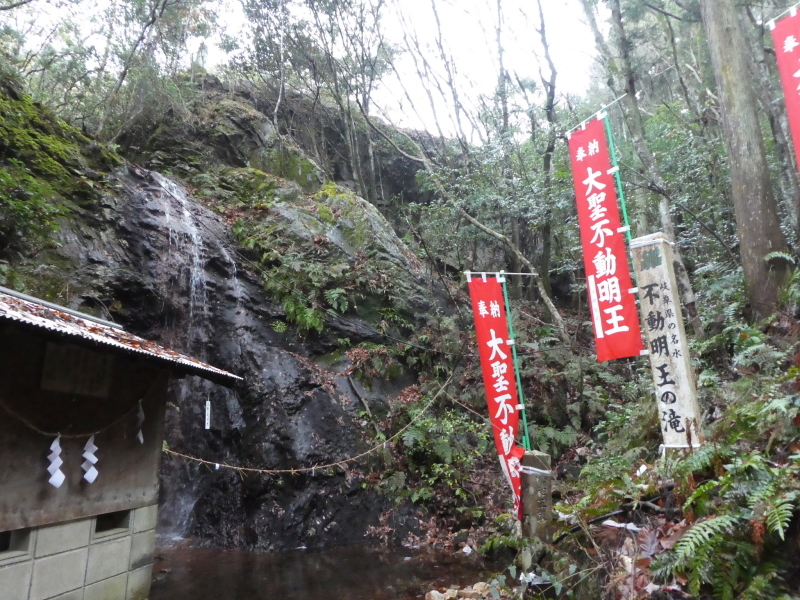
pixel 635 124
pixel 773 102
pixel 753 201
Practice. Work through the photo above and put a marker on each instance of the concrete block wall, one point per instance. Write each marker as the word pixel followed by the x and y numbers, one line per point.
pixel 71 561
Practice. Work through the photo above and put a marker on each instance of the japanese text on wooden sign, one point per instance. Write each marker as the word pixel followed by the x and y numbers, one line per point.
pixel 608 279
pixel 499 378
pixel 659 302
pixel 786 36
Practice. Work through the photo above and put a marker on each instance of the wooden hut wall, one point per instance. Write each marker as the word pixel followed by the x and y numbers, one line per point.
pixel 88 388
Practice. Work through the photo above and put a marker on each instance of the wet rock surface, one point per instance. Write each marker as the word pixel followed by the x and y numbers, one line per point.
pixel 152 258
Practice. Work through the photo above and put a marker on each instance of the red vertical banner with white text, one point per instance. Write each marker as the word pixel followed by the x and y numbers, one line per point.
pixel 786 37
pixel 608 278
pixel 499 377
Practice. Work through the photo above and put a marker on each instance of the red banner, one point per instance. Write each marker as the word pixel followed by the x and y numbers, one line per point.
pixel 786 37
pixel 608 278
pixel 499 377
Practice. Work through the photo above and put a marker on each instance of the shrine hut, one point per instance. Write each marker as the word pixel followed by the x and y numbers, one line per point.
pixel 82 405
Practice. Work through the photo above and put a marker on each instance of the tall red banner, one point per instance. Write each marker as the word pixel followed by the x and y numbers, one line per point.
pixel 786 36
pixel 499 377
pixel 608 278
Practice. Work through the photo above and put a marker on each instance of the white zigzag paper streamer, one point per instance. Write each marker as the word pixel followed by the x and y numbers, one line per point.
pixel 91 460
pixel 140 416
pixel 57 477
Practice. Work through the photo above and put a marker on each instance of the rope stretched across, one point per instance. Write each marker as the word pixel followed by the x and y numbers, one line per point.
pixel 338 463
pixel 25 421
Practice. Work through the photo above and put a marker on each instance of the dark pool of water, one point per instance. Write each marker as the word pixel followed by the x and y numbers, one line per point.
pixel 350 573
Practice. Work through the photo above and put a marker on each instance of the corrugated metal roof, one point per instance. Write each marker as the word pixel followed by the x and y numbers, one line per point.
pixel 70 324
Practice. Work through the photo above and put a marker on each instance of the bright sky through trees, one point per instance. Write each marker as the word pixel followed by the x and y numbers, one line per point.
pixel 469 36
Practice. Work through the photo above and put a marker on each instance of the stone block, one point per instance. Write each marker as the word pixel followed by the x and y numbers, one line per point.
pixel 74 595
pixel 20 547
pixel 108 559
pixel 63 537
pixel 15 581
pixel 108 589
pixel 58 574
pixel 139 583
pixel 145 518
pixel 142 549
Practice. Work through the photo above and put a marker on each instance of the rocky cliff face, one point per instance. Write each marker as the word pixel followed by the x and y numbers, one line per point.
pixel 262 279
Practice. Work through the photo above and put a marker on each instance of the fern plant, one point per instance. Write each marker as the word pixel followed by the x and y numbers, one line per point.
pixel 745 512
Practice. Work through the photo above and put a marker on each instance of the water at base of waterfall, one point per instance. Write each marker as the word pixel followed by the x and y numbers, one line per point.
pixel 346 573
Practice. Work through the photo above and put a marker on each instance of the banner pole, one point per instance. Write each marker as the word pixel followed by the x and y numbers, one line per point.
pixel 526 441
pixel 617 177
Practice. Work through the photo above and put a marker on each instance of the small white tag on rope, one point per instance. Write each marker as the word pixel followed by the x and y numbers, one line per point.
pixel 140 417
pixel 208 414
pixel 56 476
pixel 91 460
pixel 216 467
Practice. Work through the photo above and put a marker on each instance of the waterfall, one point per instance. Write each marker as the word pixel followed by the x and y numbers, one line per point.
pixel 184 237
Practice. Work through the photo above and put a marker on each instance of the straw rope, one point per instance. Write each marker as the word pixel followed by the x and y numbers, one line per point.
pixel 339 463
pixel 30 425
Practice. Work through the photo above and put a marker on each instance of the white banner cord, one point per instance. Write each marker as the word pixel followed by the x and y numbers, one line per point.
pixel 535 471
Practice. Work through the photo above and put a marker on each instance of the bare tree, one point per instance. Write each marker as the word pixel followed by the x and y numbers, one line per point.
pixel 622 77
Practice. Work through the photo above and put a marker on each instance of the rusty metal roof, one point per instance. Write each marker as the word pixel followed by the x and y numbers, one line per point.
pixel 31 311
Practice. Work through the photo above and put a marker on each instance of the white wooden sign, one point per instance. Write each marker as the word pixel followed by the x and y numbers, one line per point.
pixel 208 414
pixel 662 322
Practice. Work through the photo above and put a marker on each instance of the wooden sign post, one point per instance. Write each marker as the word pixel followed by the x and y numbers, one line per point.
pixel 662 321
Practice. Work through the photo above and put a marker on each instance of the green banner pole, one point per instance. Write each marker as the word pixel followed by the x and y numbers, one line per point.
pixel 526 441
pixel 617 177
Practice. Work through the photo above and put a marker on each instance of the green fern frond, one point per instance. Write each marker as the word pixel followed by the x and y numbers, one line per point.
pixel 413 436
pixel 778 516
pixel 701 534
pixel 787 257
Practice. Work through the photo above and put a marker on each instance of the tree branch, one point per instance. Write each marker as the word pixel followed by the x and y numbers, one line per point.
pixel 562 330
pixel 662 11
pixel 15 4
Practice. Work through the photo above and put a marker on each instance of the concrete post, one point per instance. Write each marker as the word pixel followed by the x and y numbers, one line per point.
pixel 537 499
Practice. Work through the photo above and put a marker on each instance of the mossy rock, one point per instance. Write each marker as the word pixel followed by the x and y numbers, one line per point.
pixel 338 252
pixel 288 161
pixel 49 147
pixel 45 162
